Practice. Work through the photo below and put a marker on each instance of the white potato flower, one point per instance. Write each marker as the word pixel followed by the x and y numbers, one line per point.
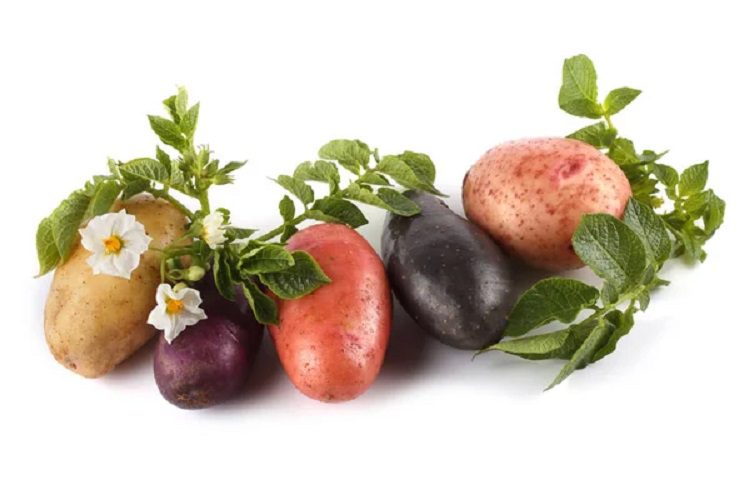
pixel 116 242
pixel 175 310
pixel 214 230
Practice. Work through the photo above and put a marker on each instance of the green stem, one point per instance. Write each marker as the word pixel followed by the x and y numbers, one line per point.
pixel 203 199
pixel 277 231
pixel 609 122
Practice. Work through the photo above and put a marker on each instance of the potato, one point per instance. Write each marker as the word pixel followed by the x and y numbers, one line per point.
pixel 93 323
pixel 530 196
pixel 448 274
pixel 209 362
pixel 332 342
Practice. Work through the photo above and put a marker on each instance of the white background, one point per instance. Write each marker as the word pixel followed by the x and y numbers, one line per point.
pixel 665 416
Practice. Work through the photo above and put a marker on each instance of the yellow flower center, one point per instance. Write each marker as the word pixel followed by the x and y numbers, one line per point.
pixel 174 306
pixel 112 244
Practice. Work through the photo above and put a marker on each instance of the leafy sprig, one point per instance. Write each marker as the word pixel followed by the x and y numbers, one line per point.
pixel 692 212
pixel 627 255
pixel 243 263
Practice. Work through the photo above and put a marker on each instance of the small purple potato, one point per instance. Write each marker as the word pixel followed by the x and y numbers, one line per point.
pixel 209 363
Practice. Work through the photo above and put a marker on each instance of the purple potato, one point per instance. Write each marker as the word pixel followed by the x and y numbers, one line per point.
pixel 209 363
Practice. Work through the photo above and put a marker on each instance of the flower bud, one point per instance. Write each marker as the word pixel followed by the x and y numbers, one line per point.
pixel 195 273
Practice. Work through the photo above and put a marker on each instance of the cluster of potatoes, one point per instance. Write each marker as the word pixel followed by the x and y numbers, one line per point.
pixel 455 277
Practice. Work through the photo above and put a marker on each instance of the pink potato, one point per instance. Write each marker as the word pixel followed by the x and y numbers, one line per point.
pixel 332 342
pixel 530 196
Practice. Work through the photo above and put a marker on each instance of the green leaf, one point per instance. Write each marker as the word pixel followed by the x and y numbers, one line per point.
pixel 320 171
pixel 666 174
pixel 304 277
pixel 263 306
pixel 169 103
pixel 421 165
pixel 398 203
pixel 374 179
pixel 180 102
pixel 338 210
pixel 622 152
pixel 611 249
pixel 695 205
pixel 169 133
pixel 147 169
pixel 585 352
pixel 46 249
pixel 223 275
pixel 266 259
pixel 598 135
pixel 693 179
pixel 135 187
pixel 362 194
pixel 550 299
pixel 351 154
pixel 544 346
pixel 578 93
pixel 713 217
pixel 163 158
pixel 289 231
pixel 650 228
pixel 104 197
pixel 238 233
pixel 402 173
pixel 617 99
pixel 286 208
pixel 620 325
pixel 297 187
pixel 66 219
pixel 189 121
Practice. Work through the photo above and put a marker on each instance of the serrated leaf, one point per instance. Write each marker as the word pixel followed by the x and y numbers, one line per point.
pixel 617 99
pixel 550 299
pixel 544 346
pixel 297 187
pixel 402 173
pixel 697 203
pixel 286 208
pixel 169 104
pixel 66 219
pixel 338 210
pixel 266 259
pixel 351 154
pixel 189 120
pixel 598 135
pixel 168 132
pixel 358 193
pixel 651 229
pixel 609 294
pixel 263 307
pixel 163 158
pixel 304 277
pixel 223 275
pixel 421 165
pixel 147 169
pixel 611 249
pixel 693 179
pixel 46 249
pixel 288 232
pixel 585 352
pixel 578 93
pixel 666 174
pixel 319 171
pixel 180 101
pixel 398 203
pixel 104 197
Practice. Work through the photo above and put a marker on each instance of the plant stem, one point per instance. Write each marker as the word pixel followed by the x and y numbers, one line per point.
pixel 275 232
pixel 203 199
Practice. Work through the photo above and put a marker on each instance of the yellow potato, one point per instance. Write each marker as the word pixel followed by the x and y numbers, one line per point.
pixel 93 323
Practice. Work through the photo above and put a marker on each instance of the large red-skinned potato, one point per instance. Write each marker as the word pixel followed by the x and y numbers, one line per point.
pixel 332 342
pixel 530 196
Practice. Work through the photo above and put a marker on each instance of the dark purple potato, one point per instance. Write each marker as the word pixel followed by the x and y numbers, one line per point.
pixel 209 362
pixel 448 274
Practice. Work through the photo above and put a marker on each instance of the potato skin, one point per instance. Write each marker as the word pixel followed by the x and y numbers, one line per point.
pixel 331 343
pixel 93 323
pixel 448 274
pixel 209 362
pixel 530 196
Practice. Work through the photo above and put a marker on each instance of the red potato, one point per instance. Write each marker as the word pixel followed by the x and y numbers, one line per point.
pixel 331 343
pixel 530 196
